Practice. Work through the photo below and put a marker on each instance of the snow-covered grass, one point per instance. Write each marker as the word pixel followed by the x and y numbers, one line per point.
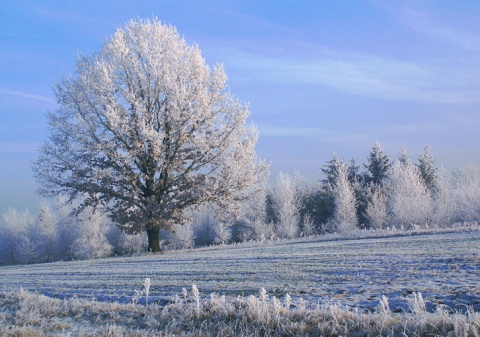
pixel 30 314
pixel 413 284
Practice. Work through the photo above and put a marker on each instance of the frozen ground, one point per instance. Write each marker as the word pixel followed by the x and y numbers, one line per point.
pixel 444 268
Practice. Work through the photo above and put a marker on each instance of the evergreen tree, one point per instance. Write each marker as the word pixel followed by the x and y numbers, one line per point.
pixel 403 157
pixel 353 172
pixel 331 170
pixel 428 171
pixel 378 165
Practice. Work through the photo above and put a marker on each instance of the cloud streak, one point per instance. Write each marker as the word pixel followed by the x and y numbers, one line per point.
pixel 427 23
pixel 26 95
pixel 364 75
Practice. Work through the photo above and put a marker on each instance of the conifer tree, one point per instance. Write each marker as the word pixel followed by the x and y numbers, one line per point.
pixel 428 171
pixel 403 157
pixel 378 165
pixel 331 170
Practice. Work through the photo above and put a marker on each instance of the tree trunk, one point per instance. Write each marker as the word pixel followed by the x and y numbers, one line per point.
pixel 154 240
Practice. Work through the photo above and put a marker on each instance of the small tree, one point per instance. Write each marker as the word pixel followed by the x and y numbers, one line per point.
pixel 403 157
pixel 377 166
pixel 286 205
pixel 91 236
pixel 254 211
pixel 345 215
pixel 184 235
pixel 147 130
pixel 47 225
pixel 444 198
pixel 466 193
pixel 376 211
pixel 409 200
pixel 428 171
pixel 331 170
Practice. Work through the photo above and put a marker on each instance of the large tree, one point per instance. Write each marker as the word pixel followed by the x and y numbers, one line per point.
pixel 146 129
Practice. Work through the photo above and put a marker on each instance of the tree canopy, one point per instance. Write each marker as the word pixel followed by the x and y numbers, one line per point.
pixel 146 129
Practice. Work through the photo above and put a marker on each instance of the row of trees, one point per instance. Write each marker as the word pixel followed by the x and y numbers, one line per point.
pixel 385 193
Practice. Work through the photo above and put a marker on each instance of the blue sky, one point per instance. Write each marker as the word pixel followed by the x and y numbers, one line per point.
pixel 321 76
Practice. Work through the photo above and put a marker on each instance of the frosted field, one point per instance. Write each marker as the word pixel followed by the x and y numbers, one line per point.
pixel 444 268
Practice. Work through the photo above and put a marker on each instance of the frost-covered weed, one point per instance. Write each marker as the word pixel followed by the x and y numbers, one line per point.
pixel 31 314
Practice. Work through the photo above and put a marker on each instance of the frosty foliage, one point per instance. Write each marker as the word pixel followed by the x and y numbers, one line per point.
pixel 184 236
pixel 466 190
pixel 444 199
pixel 147 129
pixel 345 214
pixel 54 233
pixel 409 200
pixel 32 314
pixel 428 171
pixel 376 212
pixel 47 226
pixel 254 211
pixel 286 200
pixel 378 164
pixel 17 240
pixel 91 237
pixel 290 208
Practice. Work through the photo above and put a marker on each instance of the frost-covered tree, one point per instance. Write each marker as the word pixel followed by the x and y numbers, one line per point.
pixel 22 240
pixel 46 223
pixel 184 235
pixel 409 200
pixel 353 172
pixel 376 211
pixel 91 236
pixel 378 165
pixel 254 211
pixel 331 169
pixel 428 171
pixel 126 244
pixel 286 205
pixel 466 193
pixel 210 229
pixel 345 214
pixel 15 239
pixel 65 227
pixel 146 129
pixel 444 198
pixel 404 157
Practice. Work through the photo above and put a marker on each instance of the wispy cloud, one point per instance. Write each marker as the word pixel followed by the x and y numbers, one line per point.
pixel 425 22
pixel 26 95
pixel 361 74
pixel 320 134
pixel 270 130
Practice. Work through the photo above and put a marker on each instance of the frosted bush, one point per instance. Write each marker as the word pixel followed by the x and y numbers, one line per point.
pixel 91 241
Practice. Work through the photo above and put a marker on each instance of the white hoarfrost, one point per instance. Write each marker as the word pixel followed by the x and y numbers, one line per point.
pixel 345 214
pixel 286 203
pixel 147 129
pixel 409 200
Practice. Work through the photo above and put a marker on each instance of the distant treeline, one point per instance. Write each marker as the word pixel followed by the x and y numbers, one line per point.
pixel 381 193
